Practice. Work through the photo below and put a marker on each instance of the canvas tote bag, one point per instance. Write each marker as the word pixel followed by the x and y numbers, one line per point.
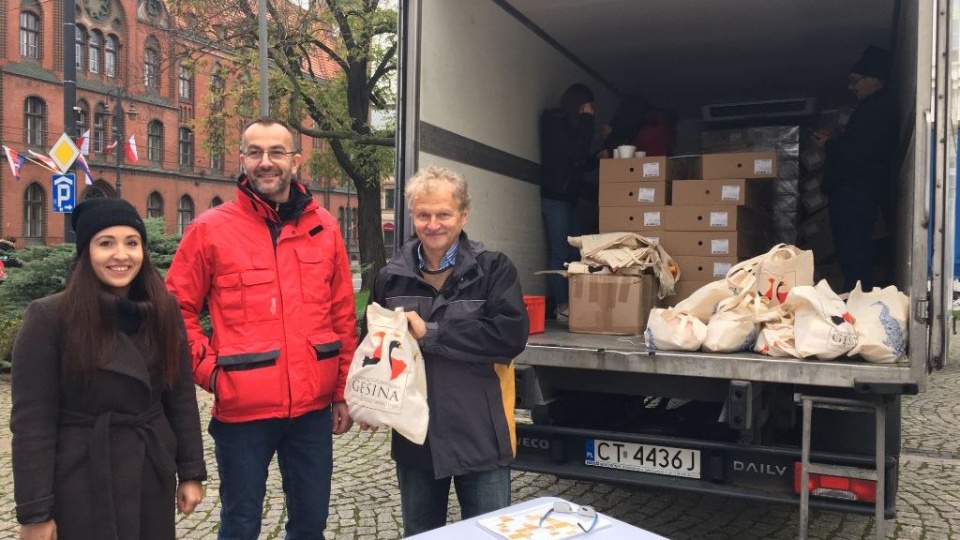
pixel 674 330
pixel 387 384
pixel 880 317
pixel 823 327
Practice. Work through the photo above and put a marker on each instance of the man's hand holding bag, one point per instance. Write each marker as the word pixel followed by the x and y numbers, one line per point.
pixel 387 384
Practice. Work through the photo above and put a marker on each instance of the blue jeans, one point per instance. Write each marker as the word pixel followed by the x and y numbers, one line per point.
pixel 560 220
pixel 423 498
pixel 304 448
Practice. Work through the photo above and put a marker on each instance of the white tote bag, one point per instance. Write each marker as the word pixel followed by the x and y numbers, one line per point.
pixel 823 327
pixel 674 330
pixel 880 317
pixel 387 384
pixel 776 337
pixel 781 269
pixel 702 304
pixel 734 327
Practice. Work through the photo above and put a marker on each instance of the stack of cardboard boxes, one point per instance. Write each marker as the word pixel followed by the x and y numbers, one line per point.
pixel 706 224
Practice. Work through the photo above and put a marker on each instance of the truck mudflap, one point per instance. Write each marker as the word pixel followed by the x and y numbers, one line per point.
pixel 760 473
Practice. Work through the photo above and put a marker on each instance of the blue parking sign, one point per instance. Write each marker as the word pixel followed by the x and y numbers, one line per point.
pixel 64 193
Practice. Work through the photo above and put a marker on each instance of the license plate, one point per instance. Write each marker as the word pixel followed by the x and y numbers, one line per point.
pixel 646 458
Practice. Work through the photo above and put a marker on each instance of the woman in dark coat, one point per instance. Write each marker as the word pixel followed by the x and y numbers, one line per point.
pixel 105 418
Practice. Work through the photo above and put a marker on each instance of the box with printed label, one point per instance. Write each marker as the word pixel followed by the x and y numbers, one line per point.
pixel 631 218
pixel 740 165
pixel 607 304
pixel 711 243
pixel 646 169
pixel 704 268
pixel 682 290
pixel 710 218
pixel 634 193
pixel 731 192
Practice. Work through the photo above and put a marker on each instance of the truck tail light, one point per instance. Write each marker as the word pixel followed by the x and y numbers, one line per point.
pixel 837 487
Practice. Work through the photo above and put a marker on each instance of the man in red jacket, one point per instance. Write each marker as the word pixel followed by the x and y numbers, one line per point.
pixel 272 268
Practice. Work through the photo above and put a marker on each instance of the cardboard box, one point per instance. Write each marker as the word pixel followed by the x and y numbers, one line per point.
pixel 711 218
pixel 733 192
pixel 704 268
pixel 634 193
pixel 682 290
pixel 710 243
pixel 647 169
pixel 740 165
pixel 605 304
pixel 631 218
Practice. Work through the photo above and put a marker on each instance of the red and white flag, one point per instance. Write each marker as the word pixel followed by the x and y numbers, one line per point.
pixel 15 160
pixel 110 147
pixel 132 156
pixel 86 169
pixel 84 143
pixel 46 161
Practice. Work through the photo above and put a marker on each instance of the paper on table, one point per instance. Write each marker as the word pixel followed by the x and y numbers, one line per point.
pixel 524 525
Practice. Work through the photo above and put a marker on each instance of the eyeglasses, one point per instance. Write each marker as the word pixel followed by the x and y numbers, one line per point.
pixel 563 507
pixel 256 154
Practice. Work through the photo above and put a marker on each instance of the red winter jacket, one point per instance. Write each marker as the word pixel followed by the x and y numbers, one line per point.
pixel 281 302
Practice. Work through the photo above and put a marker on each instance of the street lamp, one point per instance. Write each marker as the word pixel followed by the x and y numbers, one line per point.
pixel 117 130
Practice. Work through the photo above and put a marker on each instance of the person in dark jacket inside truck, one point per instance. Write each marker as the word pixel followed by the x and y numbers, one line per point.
pixel 565 137
pixel 465 308
pixel 859 163
pixel 106 431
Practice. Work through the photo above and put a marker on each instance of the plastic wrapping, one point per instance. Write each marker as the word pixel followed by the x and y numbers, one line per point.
pixel 785 140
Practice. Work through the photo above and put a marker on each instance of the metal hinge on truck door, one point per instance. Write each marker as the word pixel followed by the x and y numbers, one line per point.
pixel 921 311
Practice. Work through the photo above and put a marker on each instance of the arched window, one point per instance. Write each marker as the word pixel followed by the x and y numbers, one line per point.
pixel 34 201
pixel 96 41
pixel 110 56
pixel 94 192
pixel 185 147
pixel 185 83
pixel 155 205
pixel 29 34
pixel 81 46
pixel 215 202
pixel 155 141
pixel 99 128
pixel 34 117
pixel 217 87
pixel 151 67
pixel 184 213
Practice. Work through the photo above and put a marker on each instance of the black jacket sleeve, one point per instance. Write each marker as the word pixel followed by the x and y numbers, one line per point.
pixel 35 415
pixel 180 406
pixel 862 154
pixel 498 334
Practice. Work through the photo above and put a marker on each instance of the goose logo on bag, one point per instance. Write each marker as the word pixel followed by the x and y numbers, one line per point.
pixel 894 338
pixel 396 365
pixel 771 291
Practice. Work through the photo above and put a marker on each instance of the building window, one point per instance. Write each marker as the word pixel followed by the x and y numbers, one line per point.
pixel 184 213
pixel 155 205
pixel 185 147
pixel 217 86
pixel 96 41
pixel 216 160
pixel 185 83
pixel 155 141
pixel 99 128
pixel 215 202
pixel 29 35
pixel 33 205
pixel 388 240
pixel 151 68
pixel 33 119
pixel 110 56
pixel 390 198
pixel 83 119
pixel 81 46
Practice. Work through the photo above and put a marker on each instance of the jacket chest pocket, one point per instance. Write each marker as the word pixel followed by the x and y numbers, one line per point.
pixel 316 272
pixel 248 296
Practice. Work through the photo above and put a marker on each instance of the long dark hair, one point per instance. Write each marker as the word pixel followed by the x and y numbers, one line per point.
pixel 91 314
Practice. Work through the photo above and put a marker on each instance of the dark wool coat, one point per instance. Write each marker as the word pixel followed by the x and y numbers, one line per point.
pixel 102 459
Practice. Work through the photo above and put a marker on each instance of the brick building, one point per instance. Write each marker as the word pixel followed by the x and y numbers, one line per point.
pixel 125 48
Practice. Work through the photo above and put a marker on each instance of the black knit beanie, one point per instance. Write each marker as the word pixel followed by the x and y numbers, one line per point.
pixel 875 63
pixel 94 215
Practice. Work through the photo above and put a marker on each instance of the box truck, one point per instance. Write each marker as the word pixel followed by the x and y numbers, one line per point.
pixel 475 76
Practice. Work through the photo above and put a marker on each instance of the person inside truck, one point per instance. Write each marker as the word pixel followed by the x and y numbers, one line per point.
pixel 859 162
pixel 465 308
pixel 566 134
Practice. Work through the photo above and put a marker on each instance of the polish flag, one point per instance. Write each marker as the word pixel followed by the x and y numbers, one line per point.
pixel 45 160
pixel 110 147
pixel 84 143
pixel 15 160
pixel 131 148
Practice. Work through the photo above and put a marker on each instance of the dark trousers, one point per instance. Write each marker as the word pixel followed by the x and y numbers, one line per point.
pixel 560 220
pixel 853 214
pixel 304 448
pixel 424 499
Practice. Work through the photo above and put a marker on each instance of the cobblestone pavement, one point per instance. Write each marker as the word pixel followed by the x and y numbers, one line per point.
pixel 365 503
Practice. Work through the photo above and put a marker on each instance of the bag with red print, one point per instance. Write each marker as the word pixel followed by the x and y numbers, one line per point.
pixel 781 269
pixel 387 384
pixel 823 328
